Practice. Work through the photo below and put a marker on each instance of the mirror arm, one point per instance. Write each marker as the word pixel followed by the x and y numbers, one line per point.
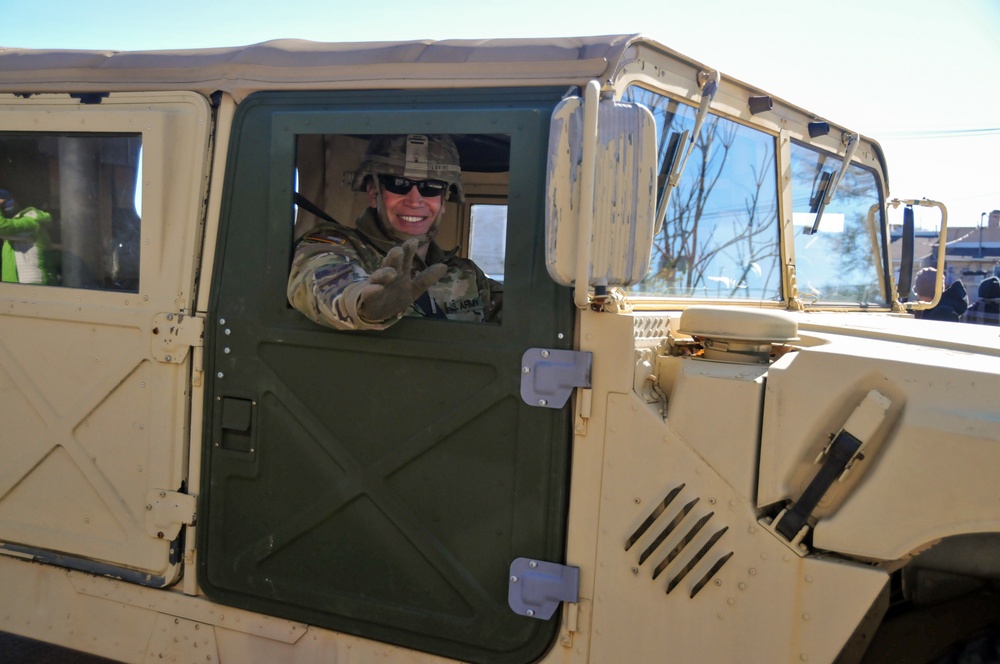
pixel 588 168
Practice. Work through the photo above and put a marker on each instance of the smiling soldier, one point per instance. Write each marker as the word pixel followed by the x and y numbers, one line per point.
pixel 389 266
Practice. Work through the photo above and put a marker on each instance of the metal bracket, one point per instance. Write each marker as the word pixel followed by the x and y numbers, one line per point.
pixel 837 458
pixel 549 376
pixel 174 334
pixel 167 511
pixel 536 587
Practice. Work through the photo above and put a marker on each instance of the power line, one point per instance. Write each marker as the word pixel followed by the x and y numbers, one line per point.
pixel 939 133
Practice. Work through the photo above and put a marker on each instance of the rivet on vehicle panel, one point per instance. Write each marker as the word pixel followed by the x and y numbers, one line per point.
pixel 228 331
pixel 805 616
pixel 525 369
pixel 742 586
pixel 545 353
pixel 220 375
pixel 809 579
pixel 149 507
pixel 635 570
pixel 163 494
pixel 251 450
pixel 170 316
pixel 718 582
pixel 560 335
pixel 752 571
pixel 168 358
pixel 543 402
pixel 226 350
pixel 637 500
pixel 530 612
pixel 159 535
pixel 532 564
pixel 513 579
pixel 141 427
pixel 222 321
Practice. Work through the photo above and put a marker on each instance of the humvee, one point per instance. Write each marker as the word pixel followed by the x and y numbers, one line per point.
pixel 707 429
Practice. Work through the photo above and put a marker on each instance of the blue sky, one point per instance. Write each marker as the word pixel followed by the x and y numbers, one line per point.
pixel 920 76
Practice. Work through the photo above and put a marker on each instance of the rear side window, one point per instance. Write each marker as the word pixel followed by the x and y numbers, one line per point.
pixel 70 214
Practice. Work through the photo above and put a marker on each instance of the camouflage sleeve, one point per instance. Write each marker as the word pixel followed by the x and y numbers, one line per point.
pixel 326 281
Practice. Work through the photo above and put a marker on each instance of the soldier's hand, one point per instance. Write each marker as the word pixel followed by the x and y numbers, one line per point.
pixel 391 290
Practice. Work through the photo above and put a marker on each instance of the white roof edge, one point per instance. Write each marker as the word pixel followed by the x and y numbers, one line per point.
pixel 300 64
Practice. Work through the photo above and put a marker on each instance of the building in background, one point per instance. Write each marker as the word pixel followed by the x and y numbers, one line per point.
pixel 971 253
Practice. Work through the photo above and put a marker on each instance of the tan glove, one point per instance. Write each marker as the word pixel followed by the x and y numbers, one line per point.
pixel 391 290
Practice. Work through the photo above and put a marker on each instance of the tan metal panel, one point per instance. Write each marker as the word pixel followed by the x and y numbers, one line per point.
pixel 94 413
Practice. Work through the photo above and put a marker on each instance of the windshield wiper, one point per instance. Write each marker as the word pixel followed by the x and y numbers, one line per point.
pixel 828 185
pixel 684 145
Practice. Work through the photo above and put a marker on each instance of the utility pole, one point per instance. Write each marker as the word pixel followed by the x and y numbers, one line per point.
pixel 981 217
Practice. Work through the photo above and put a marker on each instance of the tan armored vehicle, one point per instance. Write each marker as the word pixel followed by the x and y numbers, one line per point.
pixel 706 429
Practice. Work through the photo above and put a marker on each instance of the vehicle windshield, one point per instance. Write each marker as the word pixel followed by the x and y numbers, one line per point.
pixel 837 264
pixel 721 237
pixel 720 234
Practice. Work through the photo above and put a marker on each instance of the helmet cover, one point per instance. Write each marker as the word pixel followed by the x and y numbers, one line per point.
pixel 413 156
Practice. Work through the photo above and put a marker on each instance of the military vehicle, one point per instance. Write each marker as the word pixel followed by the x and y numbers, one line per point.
pixel 707 429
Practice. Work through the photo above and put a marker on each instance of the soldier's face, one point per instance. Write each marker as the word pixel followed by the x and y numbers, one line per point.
pixel 408 213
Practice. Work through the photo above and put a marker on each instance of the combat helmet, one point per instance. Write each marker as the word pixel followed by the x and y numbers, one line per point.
pixel 414 156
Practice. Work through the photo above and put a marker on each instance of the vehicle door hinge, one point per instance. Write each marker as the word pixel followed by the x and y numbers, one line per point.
pixel 174 334
pixel 167 511
pixel 536 587
pixel 548 376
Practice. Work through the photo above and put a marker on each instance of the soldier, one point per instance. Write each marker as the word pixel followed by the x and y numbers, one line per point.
pixel 24 233
pixel 953 303
pixel 986 310
pixel 389 266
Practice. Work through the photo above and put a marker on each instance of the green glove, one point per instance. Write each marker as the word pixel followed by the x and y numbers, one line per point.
pixel 391 290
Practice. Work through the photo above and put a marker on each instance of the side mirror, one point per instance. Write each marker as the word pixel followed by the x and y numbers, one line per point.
pixel 907 258
pixel 601 193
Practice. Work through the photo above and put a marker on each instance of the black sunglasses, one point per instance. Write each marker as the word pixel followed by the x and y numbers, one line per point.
pixel 402 186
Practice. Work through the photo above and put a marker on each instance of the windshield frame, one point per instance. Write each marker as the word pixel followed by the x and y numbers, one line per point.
pixel 677 79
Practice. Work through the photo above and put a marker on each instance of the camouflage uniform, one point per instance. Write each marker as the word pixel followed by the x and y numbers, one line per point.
pixel 332 264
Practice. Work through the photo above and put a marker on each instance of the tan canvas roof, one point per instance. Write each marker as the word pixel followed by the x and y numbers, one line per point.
pixel 298 64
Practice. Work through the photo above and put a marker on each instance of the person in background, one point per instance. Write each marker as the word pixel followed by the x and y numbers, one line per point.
pixel 24 257
pixel 954 300
pixel 389 266
pixel 986 310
